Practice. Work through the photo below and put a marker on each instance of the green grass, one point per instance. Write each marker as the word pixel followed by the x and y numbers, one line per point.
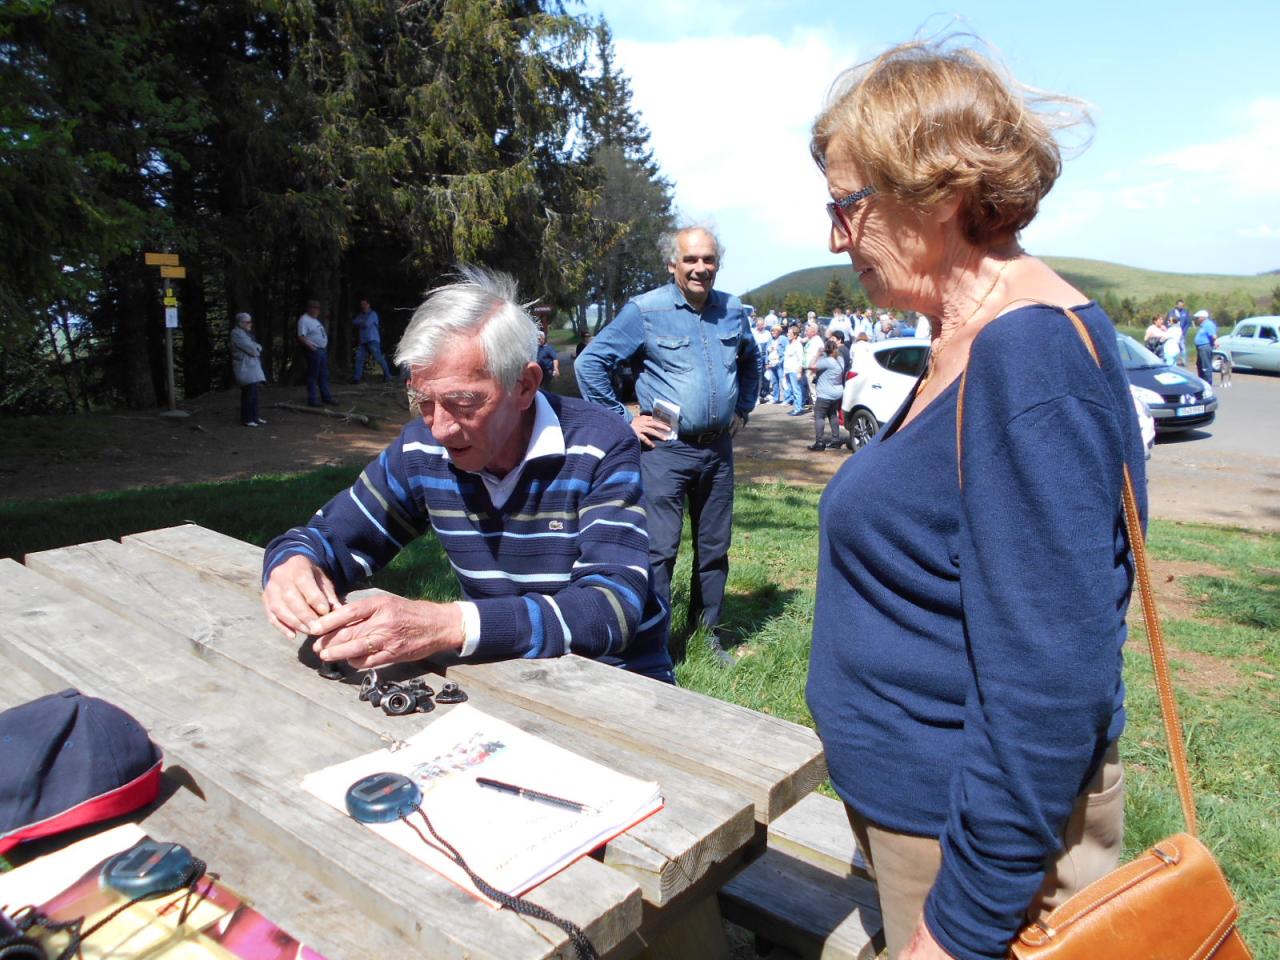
pixel 1225 655
pixel 1095 277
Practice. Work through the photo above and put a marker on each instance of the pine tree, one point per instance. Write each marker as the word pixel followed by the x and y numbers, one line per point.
pixel 634 205
pixel 836 297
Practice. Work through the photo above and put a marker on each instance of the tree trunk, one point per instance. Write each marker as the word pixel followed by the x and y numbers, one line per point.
pixel 132 364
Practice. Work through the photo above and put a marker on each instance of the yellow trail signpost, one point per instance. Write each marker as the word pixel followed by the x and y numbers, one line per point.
pixel 170 270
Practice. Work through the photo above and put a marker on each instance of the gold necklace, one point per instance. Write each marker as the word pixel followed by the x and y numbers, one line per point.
pixel 935 350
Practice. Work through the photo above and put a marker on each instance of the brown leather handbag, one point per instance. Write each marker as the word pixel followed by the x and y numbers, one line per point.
pixel 1172 902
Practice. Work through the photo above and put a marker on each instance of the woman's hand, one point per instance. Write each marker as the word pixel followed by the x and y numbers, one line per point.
pixel 923 946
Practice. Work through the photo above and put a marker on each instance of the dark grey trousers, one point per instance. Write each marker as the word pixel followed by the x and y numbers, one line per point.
pixel 703 474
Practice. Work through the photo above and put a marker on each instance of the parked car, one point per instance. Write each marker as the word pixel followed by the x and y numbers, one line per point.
pixel 1178 400
pixel 880 377
pixel 1254 344
pixel 1146 422
pixel 882 374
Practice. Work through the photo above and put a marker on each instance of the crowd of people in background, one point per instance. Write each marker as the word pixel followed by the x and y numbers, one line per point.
pixel 1166 337
pixel 806 365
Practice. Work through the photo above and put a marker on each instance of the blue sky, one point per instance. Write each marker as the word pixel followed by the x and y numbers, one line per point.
pixel 1183 173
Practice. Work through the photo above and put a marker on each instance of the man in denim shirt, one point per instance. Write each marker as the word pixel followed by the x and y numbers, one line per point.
pixel 696 351
pixel 366 322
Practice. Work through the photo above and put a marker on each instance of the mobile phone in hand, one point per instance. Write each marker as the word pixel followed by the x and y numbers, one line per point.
pixel 668 414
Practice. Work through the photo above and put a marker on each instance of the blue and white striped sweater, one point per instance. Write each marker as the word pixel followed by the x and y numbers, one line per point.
pixel 563 567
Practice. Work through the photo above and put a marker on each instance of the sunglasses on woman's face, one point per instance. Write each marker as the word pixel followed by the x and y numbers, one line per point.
pixel 842 208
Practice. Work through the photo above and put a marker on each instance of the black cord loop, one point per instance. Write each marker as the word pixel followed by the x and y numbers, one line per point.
pixel 583 947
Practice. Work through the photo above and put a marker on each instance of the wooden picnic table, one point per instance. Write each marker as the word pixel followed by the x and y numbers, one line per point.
pixel 168 625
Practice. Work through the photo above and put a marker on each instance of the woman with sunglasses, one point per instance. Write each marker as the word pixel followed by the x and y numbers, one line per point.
pixel 966 665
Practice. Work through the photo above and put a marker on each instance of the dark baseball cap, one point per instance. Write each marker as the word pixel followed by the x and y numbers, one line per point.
pixel 67 760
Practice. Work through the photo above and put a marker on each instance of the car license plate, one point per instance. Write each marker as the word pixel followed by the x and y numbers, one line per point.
pixel 1191 411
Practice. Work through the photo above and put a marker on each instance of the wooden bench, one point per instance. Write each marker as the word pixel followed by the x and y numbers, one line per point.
pixel 809 894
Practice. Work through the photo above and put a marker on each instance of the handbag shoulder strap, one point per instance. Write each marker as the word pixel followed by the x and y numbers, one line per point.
pixel 1155 636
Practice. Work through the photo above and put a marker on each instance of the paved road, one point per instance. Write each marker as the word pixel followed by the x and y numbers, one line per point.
pixel 1229 472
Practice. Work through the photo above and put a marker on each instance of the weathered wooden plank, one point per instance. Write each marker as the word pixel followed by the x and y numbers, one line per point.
pixel 21 685
pixel 701 824
pixel 233 747
pixel 211 554
pixel 817 831
pixel 804 908
pixel 771 761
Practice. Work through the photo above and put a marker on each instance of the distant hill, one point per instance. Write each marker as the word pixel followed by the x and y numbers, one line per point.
pixel 1094 277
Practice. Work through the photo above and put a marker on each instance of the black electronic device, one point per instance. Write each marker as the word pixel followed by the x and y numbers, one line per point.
pixel 148 869
pixel 383 798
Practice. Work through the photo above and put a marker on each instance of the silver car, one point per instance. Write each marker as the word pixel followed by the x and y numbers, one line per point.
pixel 1254 344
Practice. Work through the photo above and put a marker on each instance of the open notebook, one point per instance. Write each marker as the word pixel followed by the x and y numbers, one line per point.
pixel 513 843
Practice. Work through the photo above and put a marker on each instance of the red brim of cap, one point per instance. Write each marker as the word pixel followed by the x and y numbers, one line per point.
pixel 138 792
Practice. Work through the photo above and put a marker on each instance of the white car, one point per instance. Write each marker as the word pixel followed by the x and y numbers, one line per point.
pixel 880 377
pixel 882 374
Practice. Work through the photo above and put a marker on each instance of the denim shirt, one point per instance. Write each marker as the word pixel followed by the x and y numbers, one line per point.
pixel 706 363
pixel 367 324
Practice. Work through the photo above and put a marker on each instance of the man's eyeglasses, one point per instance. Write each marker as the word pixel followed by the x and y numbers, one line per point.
pixel 842 209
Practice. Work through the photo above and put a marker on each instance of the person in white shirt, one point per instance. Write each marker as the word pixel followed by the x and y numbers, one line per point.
pixel 793 368
pixel 1171 348
pixel 840 324
pixel 312 335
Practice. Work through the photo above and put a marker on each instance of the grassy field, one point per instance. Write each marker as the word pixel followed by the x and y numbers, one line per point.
pixel 1225 655
pixel 1094 277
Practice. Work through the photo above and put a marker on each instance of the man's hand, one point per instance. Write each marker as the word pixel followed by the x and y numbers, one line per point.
pixel 923 946
pixel 649 429
pixel 297 592
pixel 375 631
pixel 738 422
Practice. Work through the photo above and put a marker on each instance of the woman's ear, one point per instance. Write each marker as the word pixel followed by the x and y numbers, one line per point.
pixel 947 210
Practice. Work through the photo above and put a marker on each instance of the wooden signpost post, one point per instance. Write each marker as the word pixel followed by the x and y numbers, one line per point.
pixel 170 270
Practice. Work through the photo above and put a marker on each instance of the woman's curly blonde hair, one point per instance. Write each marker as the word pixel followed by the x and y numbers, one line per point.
pixel 927 123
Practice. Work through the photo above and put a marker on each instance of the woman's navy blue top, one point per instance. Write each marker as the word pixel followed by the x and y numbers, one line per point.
pixel 966 667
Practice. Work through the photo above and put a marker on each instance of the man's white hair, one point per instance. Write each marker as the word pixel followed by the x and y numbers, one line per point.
pixel 481 303
pixel 669 243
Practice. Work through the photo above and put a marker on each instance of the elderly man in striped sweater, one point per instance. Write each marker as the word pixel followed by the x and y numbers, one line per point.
pixel 535 498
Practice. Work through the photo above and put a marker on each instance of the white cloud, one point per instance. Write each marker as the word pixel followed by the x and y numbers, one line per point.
pixel 1263 231
pixel 1245 162
pixel 1145 196
pixel 730 116
pixel 734 138
pixel 1187 209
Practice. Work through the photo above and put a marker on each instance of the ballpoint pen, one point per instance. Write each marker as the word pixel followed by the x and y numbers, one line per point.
pixel 536 795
